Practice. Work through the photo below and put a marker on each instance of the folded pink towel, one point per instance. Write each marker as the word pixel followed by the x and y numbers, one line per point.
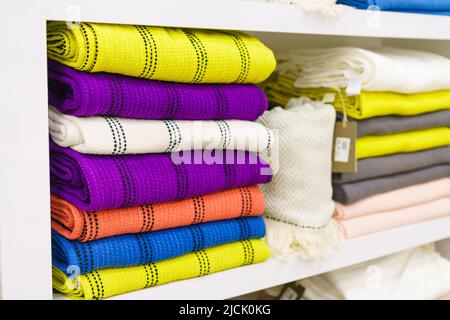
pixel 397 199
pixel 371 223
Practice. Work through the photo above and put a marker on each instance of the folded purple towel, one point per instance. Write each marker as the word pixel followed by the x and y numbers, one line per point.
pixel 87 94
pixel 94 182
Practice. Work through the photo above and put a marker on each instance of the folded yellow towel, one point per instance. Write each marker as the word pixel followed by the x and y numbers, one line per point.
pixel 374 146
pixel 366 104
pixel 169 54
pixel 105 283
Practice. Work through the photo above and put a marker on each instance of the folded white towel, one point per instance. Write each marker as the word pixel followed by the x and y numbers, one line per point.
pixel 420 273
pixel 381 69
pixel 108 135
pixel 299 203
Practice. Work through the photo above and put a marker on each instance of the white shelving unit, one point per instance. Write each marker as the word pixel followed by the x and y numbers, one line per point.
pixel 25 254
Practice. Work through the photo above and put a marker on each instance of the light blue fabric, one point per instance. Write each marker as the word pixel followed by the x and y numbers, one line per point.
pixel 138 249
pixel 439 7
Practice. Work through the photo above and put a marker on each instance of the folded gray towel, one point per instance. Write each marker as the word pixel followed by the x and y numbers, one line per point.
pixel 355 191
pixel 395 164
pixel 394 124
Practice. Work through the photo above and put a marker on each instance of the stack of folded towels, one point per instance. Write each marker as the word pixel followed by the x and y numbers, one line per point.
pixel 400 100
pixel 154 172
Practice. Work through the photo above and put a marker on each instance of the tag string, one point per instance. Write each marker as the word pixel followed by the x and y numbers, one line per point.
pixel 344 107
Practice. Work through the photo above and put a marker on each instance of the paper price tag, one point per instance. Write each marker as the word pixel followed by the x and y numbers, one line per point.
pixel 344 148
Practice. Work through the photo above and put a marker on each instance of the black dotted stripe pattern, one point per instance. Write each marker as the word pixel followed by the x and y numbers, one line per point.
pixel 151 52
pixel 296 225
pixel 119 139
pixel 182 180
pixel 248 252
pixel 128 183
pixel 225 133
pixel 230 175
pixel 175 136
pixel 201 55
pixel 222 103
pixel 246 201
pixel 244 56
pixel 173 97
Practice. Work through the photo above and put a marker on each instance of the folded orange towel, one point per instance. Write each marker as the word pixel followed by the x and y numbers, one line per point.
pixel 74 223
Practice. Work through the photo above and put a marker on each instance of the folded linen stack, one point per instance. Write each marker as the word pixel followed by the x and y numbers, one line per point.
pixel 416 274
pixel 154 164
pixel 439 7
pixel 403 134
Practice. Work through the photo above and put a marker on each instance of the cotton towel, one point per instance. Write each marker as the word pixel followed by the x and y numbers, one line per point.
pixel 378 69
pixel 419 273
pixel 298 200
pixel 137 249
pixel 366 104
pixel 112 282
pixel 395 124
pixel 385 220
pixel 93 182
pixel 77 224
pixel 414 6
pixel 393 164
pixel 348 193
pixel 397 199
pixel 159 53
pixel 113 136
pixel 102 94
pixel 375 146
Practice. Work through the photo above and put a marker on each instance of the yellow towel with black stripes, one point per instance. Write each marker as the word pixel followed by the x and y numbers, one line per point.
pixel 159 53
pixel 105 283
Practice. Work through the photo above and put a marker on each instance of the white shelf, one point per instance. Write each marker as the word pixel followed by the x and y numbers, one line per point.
pixel 239 281
pixel 251 16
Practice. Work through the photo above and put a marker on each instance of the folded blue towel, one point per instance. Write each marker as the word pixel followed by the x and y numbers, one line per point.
pixel 139 249
pixel 440 7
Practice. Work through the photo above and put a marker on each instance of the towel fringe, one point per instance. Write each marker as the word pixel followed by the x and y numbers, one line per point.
pixel 285 239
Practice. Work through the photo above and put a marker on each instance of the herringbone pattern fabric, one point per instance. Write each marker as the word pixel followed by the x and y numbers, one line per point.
pixel 299 202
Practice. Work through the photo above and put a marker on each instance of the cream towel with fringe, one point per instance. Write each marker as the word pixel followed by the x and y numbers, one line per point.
pixel 299 205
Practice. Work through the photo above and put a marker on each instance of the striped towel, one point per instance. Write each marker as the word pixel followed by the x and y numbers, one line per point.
pixel 85 94
pixel 137 249
pixel 77 224
pixel 93 182
pixel 101 135
pixel 169 54
pixel 109 282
